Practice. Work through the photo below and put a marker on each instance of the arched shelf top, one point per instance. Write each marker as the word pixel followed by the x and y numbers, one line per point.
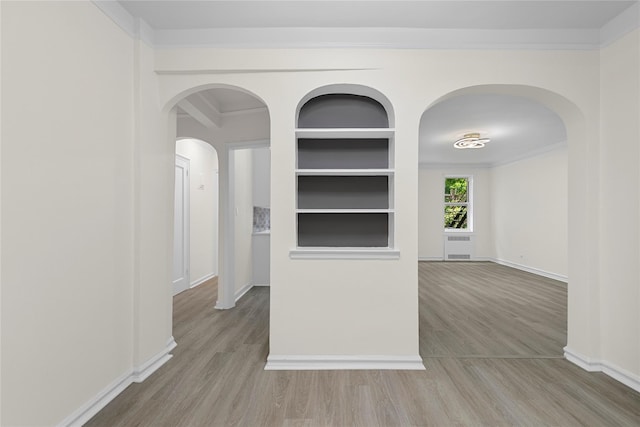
pixel 344 106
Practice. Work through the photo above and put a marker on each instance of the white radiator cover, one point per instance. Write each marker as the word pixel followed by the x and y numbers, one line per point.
pixel 459 247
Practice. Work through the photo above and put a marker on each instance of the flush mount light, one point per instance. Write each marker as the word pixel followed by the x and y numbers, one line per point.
pixel 471 140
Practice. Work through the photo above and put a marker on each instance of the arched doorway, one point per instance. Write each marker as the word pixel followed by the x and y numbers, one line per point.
pixel 567 117
pixel 232 121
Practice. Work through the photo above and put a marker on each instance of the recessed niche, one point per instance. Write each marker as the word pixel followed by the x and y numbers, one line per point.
pixel 344 174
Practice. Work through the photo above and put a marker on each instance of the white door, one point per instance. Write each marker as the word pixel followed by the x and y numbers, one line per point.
pixel 181 227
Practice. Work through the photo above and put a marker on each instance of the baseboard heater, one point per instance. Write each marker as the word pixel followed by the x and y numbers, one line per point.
pixel 458 248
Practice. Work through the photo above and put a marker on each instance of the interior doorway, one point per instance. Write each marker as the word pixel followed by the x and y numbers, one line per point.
pixel 514 149
pixel 196 214
pixel 230 120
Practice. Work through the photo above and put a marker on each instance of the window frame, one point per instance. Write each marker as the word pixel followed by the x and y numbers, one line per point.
pixel 469 203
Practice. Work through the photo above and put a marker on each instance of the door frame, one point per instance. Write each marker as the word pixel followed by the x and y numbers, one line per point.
pixel 185 164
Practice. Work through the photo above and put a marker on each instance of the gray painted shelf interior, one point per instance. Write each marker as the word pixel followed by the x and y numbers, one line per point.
pixel 343 153
pixel 343 229
pixel 342 111
pixel 343 192
pixel 323 187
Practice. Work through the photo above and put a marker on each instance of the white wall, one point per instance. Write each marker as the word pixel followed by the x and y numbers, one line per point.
pixel 244 217
pixel 261 160
pixel 204 208
pixel 261 177
pixel 619 206
pixel 67 208
pixel 154 183
pixel 431 211
pixel 530 213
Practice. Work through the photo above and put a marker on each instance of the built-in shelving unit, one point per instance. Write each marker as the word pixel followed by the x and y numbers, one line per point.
pixel 345 176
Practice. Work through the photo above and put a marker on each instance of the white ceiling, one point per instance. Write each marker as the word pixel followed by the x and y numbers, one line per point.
pixel 211 107
pixel 451 14
pixel 573 24
pixel 231 100
pixel 518 127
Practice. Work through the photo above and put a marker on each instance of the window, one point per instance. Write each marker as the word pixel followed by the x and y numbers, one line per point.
pixel 457 203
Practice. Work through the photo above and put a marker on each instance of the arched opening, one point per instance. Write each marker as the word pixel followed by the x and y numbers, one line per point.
pixel 235 124
pixel 512 200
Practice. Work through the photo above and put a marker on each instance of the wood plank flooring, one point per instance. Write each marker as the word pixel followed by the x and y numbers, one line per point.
pixel 491 338
pixel 485 309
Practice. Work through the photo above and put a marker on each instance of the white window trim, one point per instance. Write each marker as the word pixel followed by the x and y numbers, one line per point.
pixel 469 203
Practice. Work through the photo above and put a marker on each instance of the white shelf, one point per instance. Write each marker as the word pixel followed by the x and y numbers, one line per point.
pixel 351 133
pixel 344 253
pixel 345 172
pixel 333 211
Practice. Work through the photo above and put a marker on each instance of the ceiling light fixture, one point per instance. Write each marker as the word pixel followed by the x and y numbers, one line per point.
pixel 471 140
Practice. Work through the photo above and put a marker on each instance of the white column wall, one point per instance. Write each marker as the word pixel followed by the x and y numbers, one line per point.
pixel 67 208
pixel 620 207
pixel 154 160
pixel 243 210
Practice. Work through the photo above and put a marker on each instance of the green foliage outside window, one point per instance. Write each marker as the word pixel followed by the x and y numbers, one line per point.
pixel 455 190
pixel 456 199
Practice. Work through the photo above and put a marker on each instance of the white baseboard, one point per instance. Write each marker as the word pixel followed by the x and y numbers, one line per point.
pixel 143 371
pixel 221 306
pixel 261 284
pixel 243 290
pixel 102 399
pixel 203 279
pixel 528 269
pixel 315 363
pixel 592 365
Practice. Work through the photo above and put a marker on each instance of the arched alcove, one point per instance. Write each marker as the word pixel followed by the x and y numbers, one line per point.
pixel 344 170
pixel 366 107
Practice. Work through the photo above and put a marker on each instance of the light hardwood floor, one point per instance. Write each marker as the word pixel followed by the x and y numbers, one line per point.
pixel 491 339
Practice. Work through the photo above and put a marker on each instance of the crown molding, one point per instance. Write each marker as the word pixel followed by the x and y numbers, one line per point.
pixel 378 38
pixel 621 25
pixel 137 29
pixel 118 14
